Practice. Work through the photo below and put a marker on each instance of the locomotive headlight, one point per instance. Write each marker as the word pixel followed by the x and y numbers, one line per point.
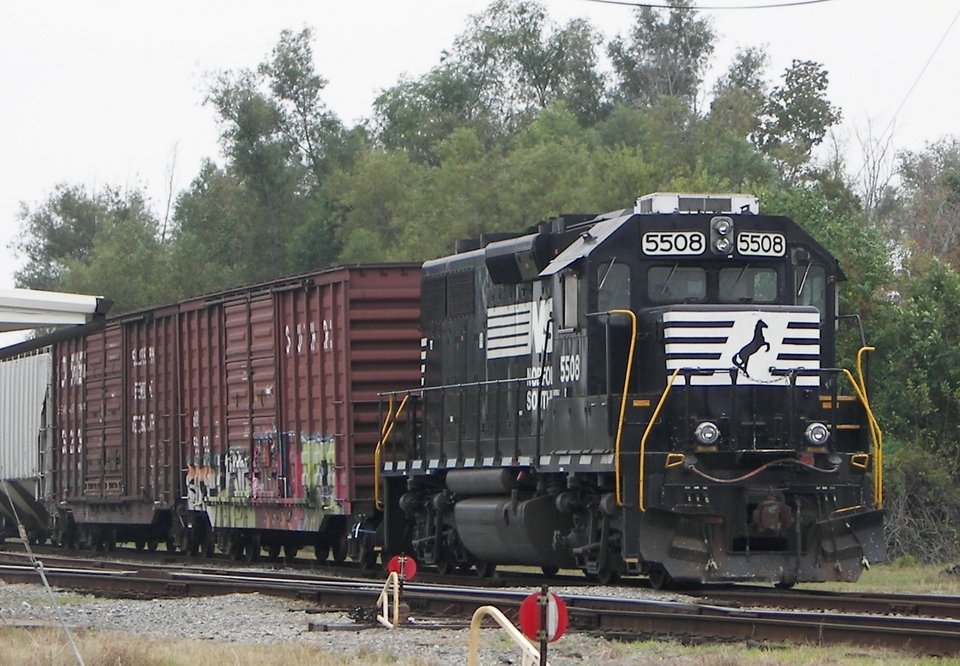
pixel 722 225
pixel 817 434
pixel 707 433
pixel 721 235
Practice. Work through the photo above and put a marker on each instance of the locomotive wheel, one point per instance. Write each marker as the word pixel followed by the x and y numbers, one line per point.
pixel 608 576
pixel 486 569
pixel 550 572
pixel 659 578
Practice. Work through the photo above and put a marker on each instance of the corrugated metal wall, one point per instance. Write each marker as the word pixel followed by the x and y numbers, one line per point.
pixel 24 385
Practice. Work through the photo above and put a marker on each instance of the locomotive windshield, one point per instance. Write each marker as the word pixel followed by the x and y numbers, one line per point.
pixel 676 284
pixel 748 284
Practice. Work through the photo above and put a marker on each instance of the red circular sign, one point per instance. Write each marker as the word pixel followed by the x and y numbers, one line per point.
pixel 403 565
pixel 531 612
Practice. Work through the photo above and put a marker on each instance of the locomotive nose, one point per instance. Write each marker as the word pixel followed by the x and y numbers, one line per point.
pixel 772 516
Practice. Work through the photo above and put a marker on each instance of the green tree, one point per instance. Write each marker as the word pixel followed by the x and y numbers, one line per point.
pixel 60 230
pixel 662 57
pixel 930 197
pixel 796 117
pixel 740 95
pixel 103 242
pixel 511 62
pixel 282 144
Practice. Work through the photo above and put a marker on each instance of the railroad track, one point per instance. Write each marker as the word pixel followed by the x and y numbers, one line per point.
pixel 611 616
pixel 926 605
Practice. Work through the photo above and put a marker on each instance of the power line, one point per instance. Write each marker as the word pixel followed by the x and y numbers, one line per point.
pixel 649 5
pixel 920 75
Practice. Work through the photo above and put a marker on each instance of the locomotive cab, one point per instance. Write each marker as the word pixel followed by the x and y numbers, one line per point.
pixel 651 391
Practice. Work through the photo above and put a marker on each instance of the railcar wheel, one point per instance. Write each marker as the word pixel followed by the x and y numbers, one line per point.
pixel 340 549
pixel 659 578
pixel 785 584
pixel 152 545
pixel 367 557
pixel 273 551
pixel 486 569
pixel 290 552
pixel 321 552
pixel 550 572
pixel 444 567
pixel 251 549
pixel 139 544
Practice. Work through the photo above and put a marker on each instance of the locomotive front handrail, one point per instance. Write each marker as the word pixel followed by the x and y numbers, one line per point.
pixel 877 435
pixel 646 434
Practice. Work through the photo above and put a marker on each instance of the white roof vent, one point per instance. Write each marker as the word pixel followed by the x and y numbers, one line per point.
pixel 672 202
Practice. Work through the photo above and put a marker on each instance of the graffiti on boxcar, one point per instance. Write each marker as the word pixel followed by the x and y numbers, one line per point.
pixel 318 457
pixel 202 483
pixel 268 472
pixel 238 472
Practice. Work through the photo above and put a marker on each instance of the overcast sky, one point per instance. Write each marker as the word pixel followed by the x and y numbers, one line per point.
pixel 107 93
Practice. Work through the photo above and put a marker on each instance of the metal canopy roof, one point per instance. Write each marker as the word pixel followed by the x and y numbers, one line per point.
pixel 22 309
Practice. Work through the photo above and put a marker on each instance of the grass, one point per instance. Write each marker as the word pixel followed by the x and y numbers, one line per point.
pixel 48 647
pixel 902 576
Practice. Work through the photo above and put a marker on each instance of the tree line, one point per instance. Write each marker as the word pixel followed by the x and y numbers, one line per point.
pixel 519 122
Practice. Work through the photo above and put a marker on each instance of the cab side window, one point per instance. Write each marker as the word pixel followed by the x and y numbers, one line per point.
pixel 613 286
pixel 571 300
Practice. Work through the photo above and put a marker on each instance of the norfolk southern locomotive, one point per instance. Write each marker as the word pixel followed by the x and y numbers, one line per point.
pixel 649 391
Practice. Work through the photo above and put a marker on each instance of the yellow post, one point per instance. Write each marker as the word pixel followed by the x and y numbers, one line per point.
pixel 530 655
pixel 384 601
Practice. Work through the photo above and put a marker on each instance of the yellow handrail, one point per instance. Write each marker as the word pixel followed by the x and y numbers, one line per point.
pixel 385 433
pixel 860 353
pixel 623 398
pixel 646 434
pixel 529 655
pixel 876 435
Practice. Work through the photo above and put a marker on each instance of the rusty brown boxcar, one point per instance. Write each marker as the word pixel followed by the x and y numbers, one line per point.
pixel 246 419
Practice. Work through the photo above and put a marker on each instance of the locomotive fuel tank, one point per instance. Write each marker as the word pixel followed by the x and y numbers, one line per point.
pixel 502 529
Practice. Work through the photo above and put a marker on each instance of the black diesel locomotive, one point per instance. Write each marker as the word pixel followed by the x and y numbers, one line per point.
pixel 650 391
